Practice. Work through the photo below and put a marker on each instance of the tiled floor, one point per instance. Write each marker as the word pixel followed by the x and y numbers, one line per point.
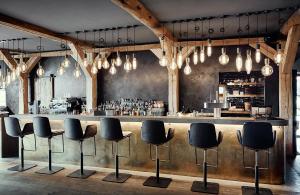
pixel 31 183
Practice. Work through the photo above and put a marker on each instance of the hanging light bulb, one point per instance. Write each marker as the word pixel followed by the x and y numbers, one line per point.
pixel 163 61
pixel 77 72
pixel 113 69
pixel 13 75
pixel 187 69
pixel 239 60
pixel 61 69
pixel 94 69
pixel 202 54
pixel 209 48
pixel 40 71
pixel 195 56
pixel 173 65
pixel 257 53
pixel 248 62
pixel 127 64
pixel 278 56
pixel 8 78
pixel 134 62
pixel 223 59
pixel 267 70
pixel 66 62
pixel 85 61
pixel 99 63
pixel 118 59
pixel 179 59
pixel 18 71
pixel 23 65
pixel 105 64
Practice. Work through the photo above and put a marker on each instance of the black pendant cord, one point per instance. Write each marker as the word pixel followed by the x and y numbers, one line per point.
pixel 195 32
pixel 77 52
pixel 266 13
pixel 202 34
pixel 187 37
pixel 257 32
pixel 239 30
pixel 163 39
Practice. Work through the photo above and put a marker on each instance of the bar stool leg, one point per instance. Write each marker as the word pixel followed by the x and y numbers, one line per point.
pixel 205 187
pixel 159 182
pixel 246 190
pixel 117 177
pixel 50 169
pixel 81 173
pixel 21 167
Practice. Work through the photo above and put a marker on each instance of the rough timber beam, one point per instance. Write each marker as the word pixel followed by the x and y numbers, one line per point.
pixel 265 49
pixel 8 59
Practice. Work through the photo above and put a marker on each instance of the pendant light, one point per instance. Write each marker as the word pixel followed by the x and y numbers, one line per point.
pixel 257 48
pixel 94 68
pixel 61 69
pixel 239 59
pixel 209 47
pixel 163 61
pixel 195 54
pixel 85 59
pixel 267 70
pixel 248 62
pixel 77 71
pixel 173 65
pixel 112 69
pixel 99 60
pixel 118 61
pixel 223 59
pixel 13 71
pixel 66 62
pixel 278 55
pixel 134 60
pixel 179 53
pixel 40 71
pixel 105 64
pixel 202 50
pixel 23 65
pixel 127 64
pixel 187 69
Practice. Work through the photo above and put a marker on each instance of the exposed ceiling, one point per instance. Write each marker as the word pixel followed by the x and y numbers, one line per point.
pixel 70 16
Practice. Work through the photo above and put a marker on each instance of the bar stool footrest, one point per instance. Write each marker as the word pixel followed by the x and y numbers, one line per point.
pixel 211 188
pixel 77 174
pixel 19 168
pixel 120 179
pixel 46 170
pixel 247 190
pixel 163 182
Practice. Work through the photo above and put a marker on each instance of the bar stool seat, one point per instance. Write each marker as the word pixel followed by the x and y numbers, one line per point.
pixel 13 129
pixel 256 136
pixel 42 128
pixel 111 130
pixel 203 135
pixel 73 131
pixel 153 133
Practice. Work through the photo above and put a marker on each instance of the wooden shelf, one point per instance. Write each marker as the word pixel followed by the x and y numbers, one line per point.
pixel 246 95
pixel 244 84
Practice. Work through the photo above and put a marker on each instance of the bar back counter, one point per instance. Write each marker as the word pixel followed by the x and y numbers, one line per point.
pixel 182 162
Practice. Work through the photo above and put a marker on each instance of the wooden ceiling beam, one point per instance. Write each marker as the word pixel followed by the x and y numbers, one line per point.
pixel 8 59
pixel 38 30
pixel 292 21
pixel 32 62
pixel 265 49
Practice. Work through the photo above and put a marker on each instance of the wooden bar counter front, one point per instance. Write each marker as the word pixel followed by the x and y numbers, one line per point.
pixel 230 162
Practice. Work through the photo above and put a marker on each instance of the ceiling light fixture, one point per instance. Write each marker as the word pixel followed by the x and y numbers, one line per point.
pixel 40 71
pixel 223 59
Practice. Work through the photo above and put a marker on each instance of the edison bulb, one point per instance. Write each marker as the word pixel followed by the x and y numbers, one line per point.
pixel 23 67
pixel 94 69
pixel 239 61
pixel 8 78
pixel 187 69
pixel 61 69
pixel 248 62
pixel 105 64
pixel 173 64
pixel 267 70
pixel 195 57
pixel 223 59
pixel 163 61
pixel 278 57
pixel 77 72
pixel 18 71
pixel 118 60
pixel 202 54
pixel 85 61
pixel 66 62
pixel 99 63
pixel 134 62
pixel 179 59
pixel 209 48
pixel 127 64
pixel 13 75
pixel 40 71
pixel 257 54
pixel 113 69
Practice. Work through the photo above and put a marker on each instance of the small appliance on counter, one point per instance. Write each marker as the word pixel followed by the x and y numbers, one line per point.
pixel 261 112
pixel 70 105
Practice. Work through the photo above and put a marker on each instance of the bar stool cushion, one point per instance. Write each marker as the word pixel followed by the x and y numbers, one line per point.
pixel 13 129
pixel 90 131
pixel 56 132
pixel 257 135
pixel 73 130
pixel 42 128
pixel 203 135
pixel 153 132
pixel 111 129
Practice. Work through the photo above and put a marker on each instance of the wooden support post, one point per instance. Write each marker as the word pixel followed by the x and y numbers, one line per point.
pixel 23 93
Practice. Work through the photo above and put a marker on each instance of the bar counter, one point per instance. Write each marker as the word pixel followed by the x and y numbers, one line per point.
pixel 230 162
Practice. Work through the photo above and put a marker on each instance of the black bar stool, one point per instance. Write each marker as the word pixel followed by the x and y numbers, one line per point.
pixel 256 136
pixel 153 133
pixel 73 131
pixel 42 128
pixel 111 130
pixel 203 135
pixel 13 129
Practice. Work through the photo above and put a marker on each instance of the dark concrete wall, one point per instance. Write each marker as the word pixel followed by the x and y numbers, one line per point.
pixel 148 81
pixel 195 89
pixel 12 96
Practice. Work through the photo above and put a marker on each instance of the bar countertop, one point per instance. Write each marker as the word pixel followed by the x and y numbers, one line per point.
pixel 166 119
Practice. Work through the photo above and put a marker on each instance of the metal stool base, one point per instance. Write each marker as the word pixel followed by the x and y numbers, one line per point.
pixel 163 182
pixel 20 168
pixel 246 190
pixel 46 170
pixel 120 179
pixel 211 188
pixel 77 174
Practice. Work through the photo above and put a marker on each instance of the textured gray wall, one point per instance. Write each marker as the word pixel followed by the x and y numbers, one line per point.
pixel 148 81
pixel 196 87
pixel 12 96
